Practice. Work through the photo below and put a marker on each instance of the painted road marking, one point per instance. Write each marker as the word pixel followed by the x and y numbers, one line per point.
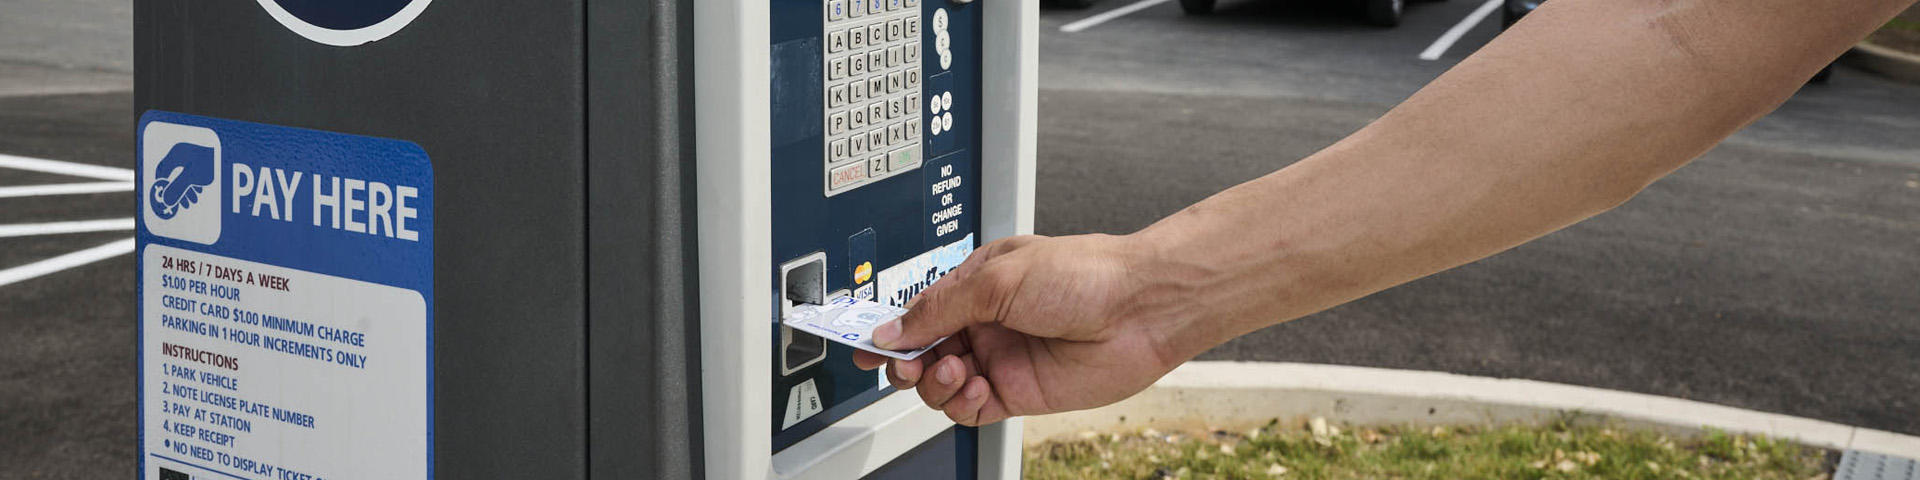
pixel 63 262
pixel 1446 40
pixel 66 168
pixel 81 226
pixel 1105 16
pixel 65 189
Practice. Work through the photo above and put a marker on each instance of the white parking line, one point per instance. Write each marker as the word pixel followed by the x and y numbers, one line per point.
pixel 65 189
pixel 1446 40
pixel 1103 17
pixel 63 262
pixel 81 226
pixel 66 168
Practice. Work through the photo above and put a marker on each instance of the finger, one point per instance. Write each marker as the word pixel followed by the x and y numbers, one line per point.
pixel 943 380
pixel 868 360
pixel 978 258
pixel 965 408
pixel 904 374
pixel 940 312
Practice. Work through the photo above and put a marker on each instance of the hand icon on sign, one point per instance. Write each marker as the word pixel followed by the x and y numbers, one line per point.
pixel 182 174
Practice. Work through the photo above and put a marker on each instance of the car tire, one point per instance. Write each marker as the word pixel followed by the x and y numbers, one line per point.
pixel 1074 3
pixel 1385 13
pixel 1197 7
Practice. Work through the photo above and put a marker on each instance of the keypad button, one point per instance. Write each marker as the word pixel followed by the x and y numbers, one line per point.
pixel 913 78
pixel 913 127
pixel 939 20
pixel 846 176
pixel 876 140
pixel 876 85
pixel 913 52
pixel 896 55
pixel 946 121
pixel 836 69
pixel 896 82
pixel 837 10
pixel 857 65
pixel 903 159
pixel 837 96
pixel 877 33
pixel 857 118
pixel 946 61
pixel 896 28
pixel 913 3
pixel 933 105
pixel 857 143
pixel 876 112
pixel 946 100
pixel 856 8
pixel 877 58
pixel 877 165
pixel 876 7
pixel 913 103
pixel 896 108
pixel 943 43
pixel 895 4
pixel 857 91
pixel 896 134
pixel 836 41
pixel 837 123
pixel 840 152
pixel 857 38
pixel 911 28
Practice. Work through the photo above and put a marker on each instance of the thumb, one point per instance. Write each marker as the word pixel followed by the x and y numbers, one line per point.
pixel 945 309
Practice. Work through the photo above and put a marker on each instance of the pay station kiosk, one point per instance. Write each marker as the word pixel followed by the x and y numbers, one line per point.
pixel 408 239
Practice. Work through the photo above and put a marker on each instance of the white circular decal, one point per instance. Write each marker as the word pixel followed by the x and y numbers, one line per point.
pixel 344 23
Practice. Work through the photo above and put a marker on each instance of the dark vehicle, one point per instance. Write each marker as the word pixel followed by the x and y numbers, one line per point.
pixel 1385 13
pixel 1512 10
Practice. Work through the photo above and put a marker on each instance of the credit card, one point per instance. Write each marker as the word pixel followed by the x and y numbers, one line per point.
pixel 850 321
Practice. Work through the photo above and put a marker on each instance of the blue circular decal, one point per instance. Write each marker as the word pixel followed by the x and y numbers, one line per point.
pixel 344 22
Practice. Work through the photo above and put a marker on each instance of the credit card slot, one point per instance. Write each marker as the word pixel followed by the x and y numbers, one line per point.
pixel 802 281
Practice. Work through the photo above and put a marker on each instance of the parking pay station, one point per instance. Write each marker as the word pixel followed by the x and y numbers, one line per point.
pixel 416 239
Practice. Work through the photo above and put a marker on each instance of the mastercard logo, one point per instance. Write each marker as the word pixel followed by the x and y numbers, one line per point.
pixel 863 273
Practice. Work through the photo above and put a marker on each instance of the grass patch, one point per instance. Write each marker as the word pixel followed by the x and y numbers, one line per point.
pixel 1329 452
pixel 1903 24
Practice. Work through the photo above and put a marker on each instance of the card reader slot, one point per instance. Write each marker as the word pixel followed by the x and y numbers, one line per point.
pixel 802 281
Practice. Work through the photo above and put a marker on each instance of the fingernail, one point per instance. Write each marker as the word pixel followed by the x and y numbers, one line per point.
pixel 947 374
pixel 975 393
pixel 887 335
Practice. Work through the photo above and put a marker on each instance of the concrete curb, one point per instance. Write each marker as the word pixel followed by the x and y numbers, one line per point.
pixel 1203 394
pixel 1884 61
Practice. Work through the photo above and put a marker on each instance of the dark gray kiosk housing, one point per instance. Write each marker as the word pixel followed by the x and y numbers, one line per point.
pixel 626 196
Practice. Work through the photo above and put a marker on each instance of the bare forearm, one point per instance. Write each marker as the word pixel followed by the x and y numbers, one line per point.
pixel 1568 114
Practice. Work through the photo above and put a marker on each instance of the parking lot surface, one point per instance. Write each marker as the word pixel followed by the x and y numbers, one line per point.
pixel 1775 273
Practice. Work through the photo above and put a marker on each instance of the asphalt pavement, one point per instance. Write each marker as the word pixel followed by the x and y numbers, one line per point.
pixel 1780 272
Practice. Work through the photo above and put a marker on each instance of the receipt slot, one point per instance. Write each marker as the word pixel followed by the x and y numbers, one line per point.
pixel 415 239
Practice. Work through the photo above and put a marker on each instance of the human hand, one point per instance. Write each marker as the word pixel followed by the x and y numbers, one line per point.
pixel 1039 325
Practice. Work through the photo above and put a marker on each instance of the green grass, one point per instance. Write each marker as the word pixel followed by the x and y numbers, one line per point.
pixel 1903 24
pixel 1558 451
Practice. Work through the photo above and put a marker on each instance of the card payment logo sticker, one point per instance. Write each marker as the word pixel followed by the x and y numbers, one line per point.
pixel 181 193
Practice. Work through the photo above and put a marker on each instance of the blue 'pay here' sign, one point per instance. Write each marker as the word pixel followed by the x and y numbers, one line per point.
pixel 285 310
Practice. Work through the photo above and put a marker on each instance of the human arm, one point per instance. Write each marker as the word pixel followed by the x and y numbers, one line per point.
pixel 1613 95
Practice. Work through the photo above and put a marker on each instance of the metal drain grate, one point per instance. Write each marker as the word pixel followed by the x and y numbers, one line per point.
pixel 1858 465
